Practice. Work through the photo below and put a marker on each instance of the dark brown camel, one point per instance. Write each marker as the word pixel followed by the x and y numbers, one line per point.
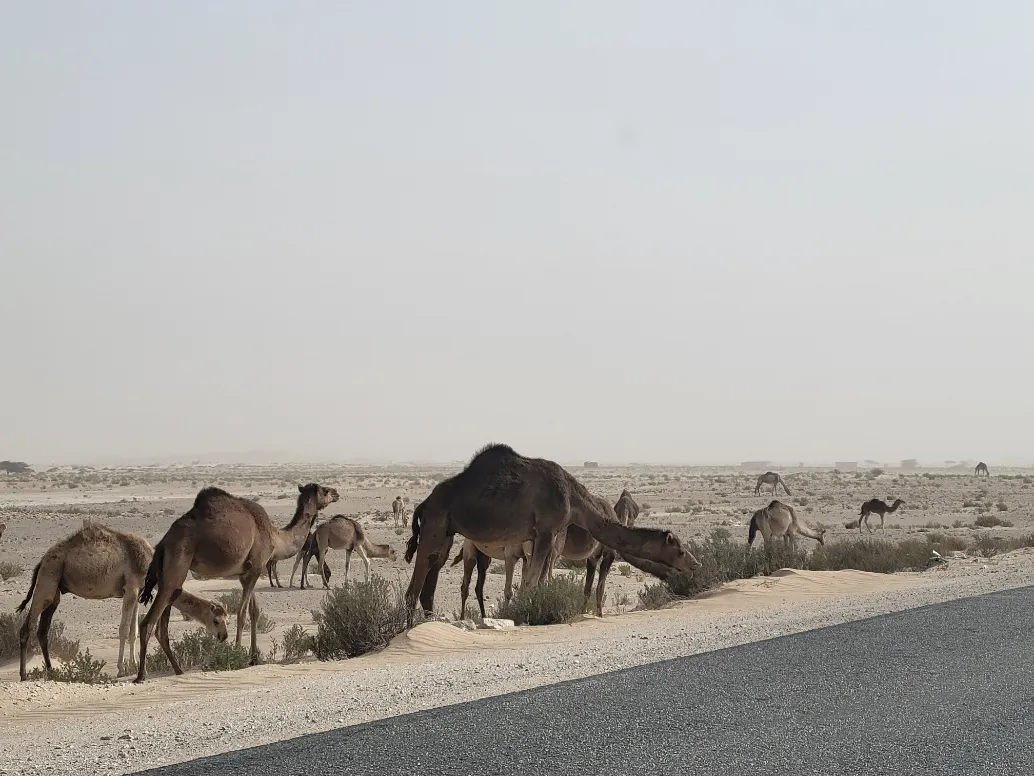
pixel 504 499
pixel 227 537
pixel 875 506
pixel 982 470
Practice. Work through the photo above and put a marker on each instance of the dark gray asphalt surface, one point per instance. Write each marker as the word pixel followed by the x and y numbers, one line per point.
pixel 946 689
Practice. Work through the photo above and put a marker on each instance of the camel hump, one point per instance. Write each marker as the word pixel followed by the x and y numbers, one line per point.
pixel 206 496
pixel 492 454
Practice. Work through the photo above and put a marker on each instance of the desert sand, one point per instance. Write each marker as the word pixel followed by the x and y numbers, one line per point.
pixel 128 727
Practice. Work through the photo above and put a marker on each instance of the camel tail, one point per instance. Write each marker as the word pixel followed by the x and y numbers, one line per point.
pixel 783 483
pixel 154 572
pixel 752 533
pixel 32 586
pixel 414 540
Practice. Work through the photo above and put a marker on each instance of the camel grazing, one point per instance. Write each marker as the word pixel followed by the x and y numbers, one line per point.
pixel 773 479
pixel 875 506
pixel 227 537
pixel 340 533
pixel 398 511
pixel 779 520
pixel 97 562
pixel 504 499
pixel 982 470
pixel 472 555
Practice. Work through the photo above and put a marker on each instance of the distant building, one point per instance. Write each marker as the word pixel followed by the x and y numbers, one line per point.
pixel 591 465
pixel 909 463
pixel 846 465
pixel 749 465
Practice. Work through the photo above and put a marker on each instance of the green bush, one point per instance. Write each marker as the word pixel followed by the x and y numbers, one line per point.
pixel 199 649
pixel 82 668
pixel 655 596
pixel 359 617
pixel 297 643
pixel 10 644
pixel 10 571
pixel 555 601
pixel 990 521
pixel 232 602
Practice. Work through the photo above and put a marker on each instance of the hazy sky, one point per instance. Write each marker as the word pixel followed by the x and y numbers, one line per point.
pixel 665 231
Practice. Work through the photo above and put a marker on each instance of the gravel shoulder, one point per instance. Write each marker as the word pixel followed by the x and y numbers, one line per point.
pixel 64 729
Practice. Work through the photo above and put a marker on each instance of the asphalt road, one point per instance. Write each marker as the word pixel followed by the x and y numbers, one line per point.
pixel 946 689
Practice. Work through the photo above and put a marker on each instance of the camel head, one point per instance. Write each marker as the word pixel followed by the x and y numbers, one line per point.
pixel 324 496
pixel 681 558
pixel 898 503
pixel 392 555
pixel 215 620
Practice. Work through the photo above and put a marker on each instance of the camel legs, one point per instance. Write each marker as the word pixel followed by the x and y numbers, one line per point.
pixel 433 545
pixel 41 609
pixel 321 549
pixel 883 527
pixel 606 561
pixel 298 559
pixel 365 559
pixel 539 558
pixel 126 631
pixel 271 570
pixel 511 564
pixel 468 570
pixel 348 560
pixel 479 587
pixel 249 604
pixel 162 635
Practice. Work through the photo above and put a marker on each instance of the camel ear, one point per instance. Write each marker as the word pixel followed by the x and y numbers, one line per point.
pixel 669 538
pixel 301 488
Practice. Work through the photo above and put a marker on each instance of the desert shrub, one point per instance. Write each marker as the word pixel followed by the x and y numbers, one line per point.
pixel 625 570
pixel 359 617
pixel 81 668
pixel 297 642
pixel 10 645
pixel 201 650
pixel 946 543
pixel 10 571
pixel 232 601
pixel 1001 506
pixel 655 596
pixel 991 521
pixel 989 545
pixel 872 555
pixel 567 563
pixel 555 601
pixel 1017 542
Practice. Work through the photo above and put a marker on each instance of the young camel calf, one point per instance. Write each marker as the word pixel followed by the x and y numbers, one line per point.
pixel 474 555
pixel 97 562
pixel 779 520
pixel 341 533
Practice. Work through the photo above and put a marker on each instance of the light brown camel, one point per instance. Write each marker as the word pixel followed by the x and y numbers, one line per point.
pixel 398 510
pixel 97 562
pixel 875 506
pixel 308 552
pixel 779 520
pixel 982 469
pixel 340 533
pixel 472 555
pixel 505 499
pixel 773 479
pixel 227 537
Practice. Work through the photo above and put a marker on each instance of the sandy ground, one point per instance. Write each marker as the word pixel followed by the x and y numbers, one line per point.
pixel 125 727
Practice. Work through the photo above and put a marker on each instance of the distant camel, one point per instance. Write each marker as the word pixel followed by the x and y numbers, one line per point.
pixel 227 537
pixel 3 527
pixel 875 506
pixel 779 520
pixel 472 555
pixel 341 533
pixel 504 499
pixel 97 562
pixel 773 479
pixel 982 469
pixel 398 510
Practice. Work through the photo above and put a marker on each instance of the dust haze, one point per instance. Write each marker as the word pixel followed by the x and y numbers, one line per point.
pixel 694 233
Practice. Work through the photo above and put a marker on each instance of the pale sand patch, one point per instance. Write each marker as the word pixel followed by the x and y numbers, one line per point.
pixel 59 729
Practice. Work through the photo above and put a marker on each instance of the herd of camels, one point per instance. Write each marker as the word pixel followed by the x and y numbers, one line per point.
pixel 505 505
